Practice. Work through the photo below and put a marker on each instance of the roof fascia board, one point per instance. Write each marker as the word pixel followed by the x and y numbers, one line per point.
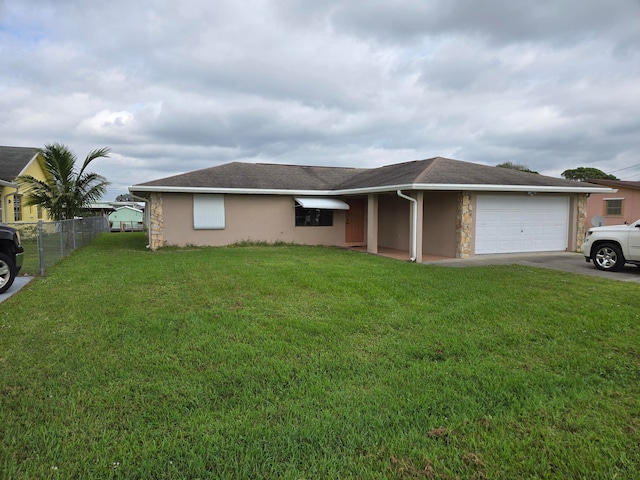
pixel 29 163
pixel 381 189
pixel 476 188
pixel 239 191
pixel 514 188
pixel 4 183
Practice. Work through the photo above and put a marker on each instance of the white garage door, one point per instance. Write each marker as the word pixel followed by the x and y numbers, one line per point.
pixel 521 223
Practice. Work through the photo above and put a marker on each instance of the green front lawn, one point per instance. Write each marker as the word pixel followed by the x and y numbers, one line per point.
pixel 307 362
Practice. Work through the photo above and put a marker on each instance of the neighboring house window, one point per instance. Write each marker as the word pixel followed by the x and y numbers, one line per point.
pixel 613 207
pixel 208 212
pixel 39 210
pixel 17 208
pixel 313 217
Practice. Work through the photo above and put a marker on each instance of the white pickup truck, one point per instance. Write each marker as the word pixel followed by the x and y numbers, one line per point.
pixel 612 246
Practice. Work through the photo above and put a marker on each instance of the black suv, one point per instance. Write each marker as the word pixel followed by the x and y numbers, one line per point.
pixel 11 254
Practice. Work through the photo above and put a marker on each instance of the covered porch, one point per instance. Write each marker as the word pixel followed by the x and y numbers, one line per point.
pixel 411 225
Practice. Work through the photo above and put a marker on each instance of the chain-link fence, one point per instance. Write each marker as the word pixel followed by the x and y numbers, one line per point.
pixel 47 242
pixel 128 226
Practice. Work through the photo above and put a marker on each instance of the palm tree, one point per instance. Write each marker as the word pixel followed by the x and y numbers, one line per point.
pixel 65 193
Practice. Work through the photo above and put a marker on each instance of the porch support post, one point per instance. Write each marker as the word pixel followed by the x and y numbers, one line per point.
pixel 372 223
pixel 464 225
pixel 577 221
pixel 419 227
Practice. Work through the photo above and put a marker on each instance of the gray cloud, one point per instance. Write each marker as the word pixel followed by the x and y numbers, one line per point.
pixel 501 22
pixel 176 86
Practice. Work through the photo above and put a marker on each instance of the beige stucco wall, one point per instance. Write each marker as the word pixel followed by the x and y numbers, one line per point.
pixel 448 220
pixel 264 218
pixel 393 222
pixel 439 223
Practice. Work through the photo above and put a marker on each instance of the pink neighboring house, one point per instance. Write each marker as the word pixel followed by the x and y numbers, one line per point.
pixel 615 208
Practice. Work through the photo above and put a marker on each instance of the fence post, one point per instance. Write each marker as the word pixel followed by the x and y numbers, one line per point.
pixel 62 225
pixel 40 247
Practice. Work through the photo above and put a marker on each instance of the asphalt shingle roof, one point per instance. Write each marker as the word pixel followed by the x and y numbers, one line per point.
pixel 617 183
pixel 13 160
pixel 260 176
pixel 434 171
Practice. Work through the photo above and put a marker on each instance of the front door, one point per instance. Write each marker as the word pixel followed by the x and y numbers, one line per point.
pixel 355 223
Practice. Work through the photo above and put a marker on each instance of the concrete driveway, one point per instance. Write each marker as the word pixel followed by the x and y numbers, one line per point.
pixel 18 283
pixel 564 261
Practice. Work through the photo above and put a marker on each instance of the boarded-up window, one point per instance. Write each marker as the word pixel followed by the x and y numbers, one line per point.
pixel 208 212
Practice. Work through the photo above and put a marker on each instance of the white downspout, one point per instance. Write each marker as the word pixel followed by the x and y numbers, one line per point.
pixel 414 221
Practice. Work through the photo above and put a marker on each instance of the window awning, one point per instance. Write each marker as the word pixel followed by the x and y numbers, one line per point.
pixel 322 203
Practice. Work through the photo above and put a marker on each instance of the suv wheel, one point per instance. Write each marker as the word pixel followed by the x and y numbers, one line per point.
pixel 608 256
pixel 7 272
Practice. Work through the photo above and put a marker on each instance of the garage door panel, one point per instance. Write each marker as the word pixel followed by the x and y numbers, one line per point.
pixel 511 223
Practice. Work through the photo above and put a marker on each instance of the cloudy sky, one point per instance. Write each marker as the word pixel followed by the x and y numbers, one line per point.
pixel 176 86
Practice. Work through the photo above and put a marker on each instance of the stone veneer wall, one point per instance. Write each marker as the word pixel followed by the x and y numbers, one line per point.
pixel 156 221
pixel 464 224
pixel 581 228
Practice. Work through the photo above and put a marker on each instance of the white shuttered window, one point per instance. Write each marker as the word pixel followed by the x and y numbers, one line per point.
pixel 208 212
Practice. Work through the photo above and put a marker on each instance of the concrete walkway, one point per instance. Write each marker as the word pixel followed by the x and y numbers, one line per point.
pixel 564 261
pixel 18 283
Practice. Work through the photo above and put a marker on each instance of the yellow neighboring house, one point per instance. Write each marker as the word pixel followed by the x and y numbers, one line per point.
pixel 16 161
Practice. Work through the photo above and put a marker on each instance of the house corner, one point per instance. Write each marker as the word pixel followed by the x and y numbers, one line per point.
pixel 156 221
pixel 464 225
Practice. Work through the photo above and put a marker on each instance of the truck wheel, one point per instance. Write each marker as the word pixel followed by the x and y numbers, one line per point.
pixel 7 272
pixel 608 257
